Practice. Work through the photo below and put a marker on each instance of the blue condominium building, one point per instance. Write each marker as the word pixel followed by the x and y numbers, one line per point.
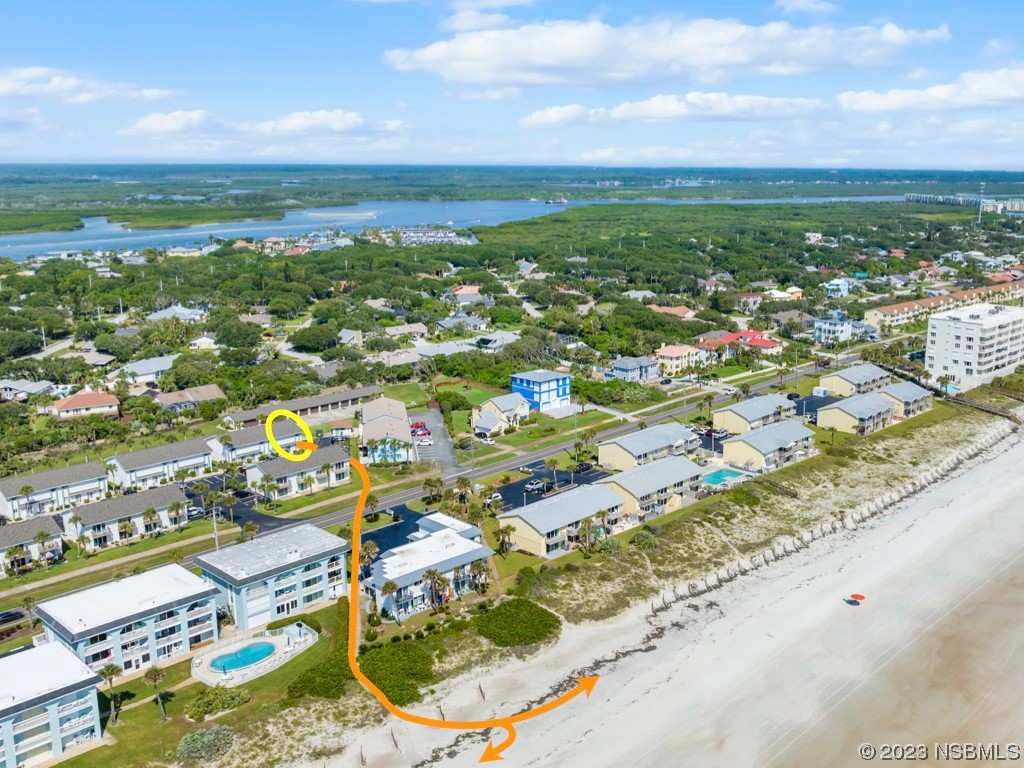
pixel 543 390
pixel 276 575
pixel 47 704
pixel 134 622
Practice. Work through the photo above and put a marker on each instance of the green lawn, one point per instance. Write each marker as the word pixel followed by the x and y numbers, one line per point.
pixel 509 565
pixel 472 392
pixel 279 507
pixel 411 394
pixel 546 427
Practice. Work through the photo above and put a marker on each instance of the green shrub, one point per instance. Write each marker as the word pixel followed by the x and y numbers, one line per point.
pixel 371 635
pixel 642 539
pixel 327 679
pixel 399 671
pixel 203 747
pixel 210 701
pixel 518 622
pixel 611 547
pixel 373 620
pixel 308 619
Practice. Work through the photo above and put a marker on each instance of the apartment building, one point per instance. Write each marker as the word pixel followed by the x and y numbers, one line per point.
pixel 385 432
pixel 40 493
pixel 331 400
pixel 323 469
pixel 910 399
pixel 127 518
pixel 753 413
pixel 858 415
pixel 855 380
pixel 543 390
pixel 86 404
pixel 654 489
pixel 675 359
pixel 646 445
pixel 48 704
pixel 973 345
pixel 276 575
pixel 905 312
pixel 769 447
pixel 252 444
pixel 151 467
pixel 19 548
pixel 551 527
pixel 134 622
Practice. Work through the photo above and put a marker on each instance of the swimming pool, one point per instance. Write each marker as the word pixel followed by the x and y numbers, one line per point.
pixel 243 657
pixel 721 476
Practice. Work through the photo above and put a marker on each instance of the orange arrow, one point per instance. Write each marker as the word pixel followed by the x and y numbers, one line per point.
pixel 492 752
pixel 306 445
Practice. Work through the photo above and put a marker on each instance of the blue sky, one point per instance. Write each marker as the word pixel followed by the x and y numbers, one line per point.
pixel 817 83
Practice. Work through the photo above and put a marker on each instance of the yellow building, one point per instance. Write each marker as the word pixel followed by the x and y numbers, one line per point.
pixel 674 359
pixel 551 527
pixel 855 380
pixel 910 399
pixel 858 415
pixel 753 413
pixel 769 447
pixel 646 445
pixel 499 413
pixel 654 489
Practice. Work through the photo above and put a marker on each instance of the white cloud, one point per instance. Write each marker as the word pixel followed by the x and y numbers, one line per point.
pixel 394 125
pixel 490 94
pixel 179 121
pixel 593 52
pixel 47 82
pixel 570 113
pixel 698 105
pixel 997 47
pixel 996 88
pixel 21 120
pixel 463 21
pixel 806 6
pixel 320 121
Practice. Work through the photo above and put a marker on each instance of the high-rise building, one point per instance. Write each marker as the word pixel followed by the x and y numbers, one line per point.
pixel 973 345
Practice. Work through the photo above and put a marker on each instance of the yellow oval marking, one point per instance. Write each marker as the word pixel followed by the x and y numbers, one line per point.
pixel 284 413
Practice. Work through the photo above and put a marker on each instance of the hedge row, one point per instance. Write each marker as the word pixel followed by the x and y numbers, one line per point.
pixel 518 622
pixel 308 619
pixel 210 701
pixel 328 678
pixel 399 670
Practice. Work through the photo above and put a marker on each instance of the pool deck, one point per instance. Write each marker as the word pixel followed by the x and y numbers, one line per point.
pixel 288 643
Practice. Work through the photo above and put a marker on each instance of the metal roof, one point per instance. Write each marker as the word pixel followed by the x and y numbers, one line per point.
pixel 766 440
pixel 559 510
pixel 650 478
pixel 443 551
pixel 160 454
pixel 760 407
pixel 540 376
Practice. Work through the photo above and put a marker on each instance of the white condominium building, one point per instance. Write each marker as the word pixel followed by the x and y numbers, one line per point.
pixel 973 345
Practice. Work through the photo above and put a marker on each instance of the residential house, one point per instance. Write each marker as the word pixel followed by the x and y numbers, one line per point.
pixel 308 475
pixel 178 312
pixel 386 435
pixel 840 287
pixel 22 389
pixel 676 359
pixel 803 319
pixel 544 390
pixel 415 331
pixel 646 445
pixel 134 622
pixel 460 320
pixel 769 447
pixel 205 343
pixel 855 380
pixel 748 302
pixel 640 295
pixel 836 328
pixel 712 285
pixel 551 527
pixel 641 369
pixel 499 413
pixel 720 343
pixel 910 398
pixel 19 548
pixel 276 575
pixel 747 415
pixel 401 357
pixel 350 338
pixel 654 489
pixel 40 493
pixel 162 464
pixel 683 313
pixel 859 414
pixel 146 371
pixel 86 404
pixel 50 705
pixel 330 400
pixel 252 444
pixel 442 544
pixel 262 319
pixel 92 359
pixel 190 399
pixel 127 518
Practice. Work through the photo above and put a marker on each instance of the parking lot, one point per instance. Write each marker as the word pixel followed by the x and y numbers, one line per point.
pixel 808 406
pixel 442 451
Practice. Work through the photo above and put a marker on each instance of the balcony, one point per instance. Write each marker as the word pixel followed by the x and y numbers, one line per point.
pixel 64 709
pixel 197 612
pixel 77 724
pixel 136 634
pixel 33 722
pixel 171 622
pixel 32 741
pixel 99 645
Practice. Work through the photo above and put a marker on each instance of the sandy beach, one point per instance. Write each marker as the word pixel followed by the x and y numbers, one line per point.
pixel 775 669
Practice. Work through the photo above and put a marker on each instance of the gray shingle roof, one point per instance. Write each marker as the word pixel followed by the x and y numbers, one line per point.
pixel 133 504
pixel 506 403
pixel 161 453
pixel 860 374
pixel 633 363
pixel 258 434
pixel 14 534
pixel 760 407
pixel 280 466
pixel 316 401
pixel 52 478
pixel 652 439
pixel 563 508
pixel 649 478
pixel 862 406
pixel 486 421
pixel 766 440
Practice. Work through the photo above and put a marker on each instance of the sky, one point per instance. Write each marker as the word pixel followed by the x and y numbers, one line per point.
pixel 762 83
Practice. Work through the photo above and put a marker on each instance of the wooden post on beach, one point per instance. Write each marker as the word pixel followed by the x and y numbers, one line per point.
pixel 395 740
pixel 480 688
pixel 441 711
pixel 362 757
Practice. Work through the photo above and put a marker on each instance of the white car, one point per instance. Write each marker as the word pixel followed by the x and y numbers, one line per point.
pixel 487 440
pixel 730 390
pixel 424 441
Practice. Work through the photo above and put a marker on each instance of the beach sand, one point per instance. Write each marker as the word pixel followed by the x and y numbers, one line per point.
pixel 775 669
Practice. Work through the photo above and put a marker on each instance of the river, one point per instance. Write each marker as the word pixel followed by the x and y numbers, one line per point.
pixel 99 234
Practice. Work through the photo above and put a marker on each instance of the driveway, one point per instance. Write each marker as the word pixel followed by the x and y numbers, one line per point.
pixel 808 406
pixel 244 510
pixel 443 450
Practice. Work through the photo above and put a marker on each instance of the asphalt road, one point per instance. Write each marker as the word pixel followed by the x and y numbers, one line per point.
pixel 534 458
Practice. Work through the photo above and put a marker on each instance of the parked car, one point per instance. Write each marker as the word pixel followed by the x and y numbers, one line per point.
pixel 666 382
pixel 487 440
pixel 548 486
pixel 494 498
pixel 420 432
pixel 584 466
pixel 719 434
pixel 825 363
pixel 793 396
pixel 418 425
pixel 8 616
pixel 534 485
pixel 425 441
pixel 730 390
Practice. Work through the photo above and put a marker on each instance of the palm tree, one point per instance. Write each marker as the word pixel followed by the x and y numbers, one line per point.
pixel 229 500
pixel 387 590
pixel 478 571
pixel 75 520
pixel 176 556
pixel 14 554
pixel 371 504
pixel 552 464
pixel 26 491
pixel 149 517
pixel 28 603
pixel 368 553
pixel 463 487
pixel 81 542
pixel 108 672
pixel 745 390
pixel 249 530
pixel 587 535
pixel 307 482
pixel 268 487
pixel 124 529
pixel 603 517
pixel 708 399
pixel 153 676
pixel 436 581
pixel 832 432
pixel 199 489
pixel 326 469
pixel 504 536
pixel 174 511
pixel 41 538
